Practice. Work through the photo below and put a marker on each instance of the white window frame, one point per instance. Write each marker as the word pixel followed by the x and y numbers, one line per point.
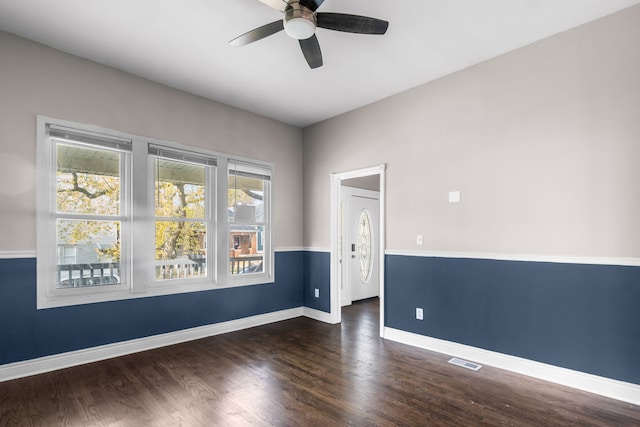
pixel 267 274
pixel 137 251
pixel 210 164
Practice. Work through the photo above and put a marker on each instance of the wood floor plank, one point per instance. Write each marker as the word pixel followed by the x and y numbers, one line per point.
pixel 298 372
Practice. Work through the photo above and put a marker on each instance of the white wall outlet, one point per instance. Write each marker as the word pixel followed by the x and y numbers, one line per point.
pixel 316 292
pixel 418 239
pixel 419 314
pixel 454 196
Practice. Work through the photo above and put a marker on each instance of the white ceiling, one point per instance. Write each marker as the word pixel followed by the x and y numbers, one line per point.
pixel 184 44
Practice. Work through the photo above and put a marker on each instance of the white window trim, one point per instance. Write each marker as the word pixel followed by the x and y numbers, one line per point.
pixel 140 282
pixel 47 294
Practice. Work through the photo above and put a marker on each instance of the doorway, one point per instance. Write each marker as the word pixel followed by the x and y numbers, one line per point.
pixel 337 254
pixel 360 237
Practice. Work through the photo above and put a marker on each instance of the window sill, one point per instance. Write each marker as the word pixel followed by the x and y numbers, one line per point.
pixel 154 290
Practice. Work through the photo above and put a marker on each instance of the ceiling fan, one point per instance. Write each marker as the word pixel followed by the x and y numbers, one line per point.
pixel 300 22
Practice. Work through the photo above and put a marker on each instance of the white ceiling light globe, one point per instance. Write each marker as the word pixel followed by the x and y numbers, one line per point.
pixel 299 22
pixel 300 28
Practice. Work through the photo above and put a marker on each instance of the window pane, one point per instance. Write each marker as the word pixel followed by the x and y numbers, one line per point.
pixel 179 189
pixel 246 199
pixel 89 253
pixel 181 250
pixel 87 180
pixel 67 255
pixel 246 252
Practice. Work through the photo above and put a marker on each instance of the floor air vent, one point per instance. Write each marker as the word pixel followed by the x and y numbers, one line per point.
pixel 465 364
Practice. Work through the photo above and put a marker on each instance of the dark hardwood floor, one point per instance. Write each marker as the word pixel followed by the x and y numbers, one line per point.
pixel 298 373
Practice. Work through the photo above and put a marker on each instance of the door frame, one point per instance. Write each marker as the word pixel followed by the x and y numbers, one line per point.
pixel 335 276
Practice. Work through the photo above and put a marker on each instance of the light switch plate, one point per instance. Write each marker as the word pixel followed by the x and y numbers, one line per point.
pixel 454 196
pixel 418 239
pixel 317 292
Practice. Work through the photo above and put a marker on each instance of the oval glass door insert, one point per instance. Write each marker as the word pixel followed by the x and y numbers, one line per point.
pixel 365 245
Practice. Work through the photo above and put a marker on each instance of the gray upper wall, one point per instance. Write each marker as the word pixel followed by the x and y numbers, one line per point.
pixel 35 79
pixel 371 182
pixel 543 143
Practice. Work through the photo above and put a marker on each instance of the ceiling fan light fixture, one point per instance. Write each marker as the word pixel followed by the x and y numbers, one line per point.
pixel 299 22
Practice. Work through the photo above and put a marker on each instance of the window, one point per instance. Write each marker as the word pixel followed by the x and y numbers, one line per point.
pixel 182 210
pixel 88 211
pixel 248 215
pixel 125 217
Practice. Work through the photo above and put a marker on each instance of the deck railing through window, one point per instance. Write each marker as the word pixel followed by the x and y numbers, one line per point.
pixel 108 273
pixel 246 264
pixel 94 274
pixel 181 268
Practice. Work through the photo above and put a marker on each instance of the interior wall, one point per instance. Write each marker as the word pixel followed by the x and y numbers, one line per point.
pixel 371 182
pixel 38 80
pixel 35 79
pixel 541 142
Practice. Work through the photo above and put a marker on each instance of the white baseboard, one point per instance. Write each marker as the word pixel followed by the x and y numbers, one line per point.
pixel 614 389
pixel 73 358
pixel 318 315
pixel 619 390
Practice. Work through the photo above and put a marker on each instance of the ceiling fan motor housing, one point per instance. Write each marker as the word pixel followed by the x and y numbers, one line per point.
pixel 299 21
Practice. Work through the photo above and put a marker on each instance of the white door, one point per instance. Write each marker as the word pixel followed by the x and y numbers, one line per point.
pixel 361 254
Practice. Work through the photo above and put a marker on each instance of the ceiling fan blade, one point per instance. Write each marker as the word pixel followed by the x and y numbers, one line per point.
pixel 311 50
pixel 258 33
pixel 351 23
pixel 280 5
pixel 311 4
